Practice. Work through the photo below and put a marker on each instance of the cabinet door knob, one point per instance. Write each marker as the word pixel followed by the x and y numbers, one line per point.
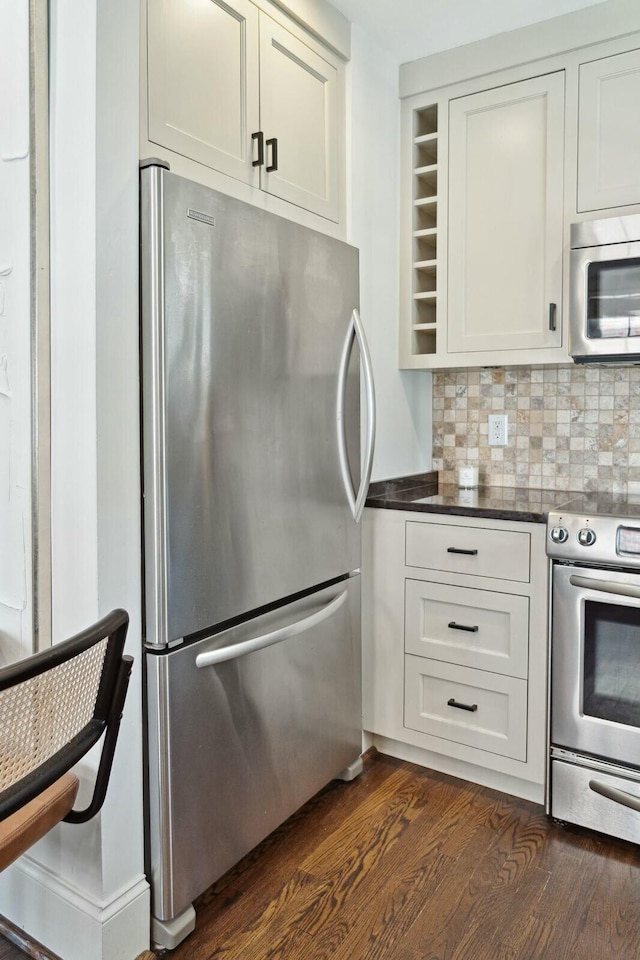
pixel 552 316
pixel 259 136
pixel 273 143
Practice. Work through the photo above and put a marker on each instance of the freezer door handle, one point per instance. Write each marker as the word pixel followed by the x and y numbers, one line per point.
pixel 618 796
pixel 356 331
pixel 268 639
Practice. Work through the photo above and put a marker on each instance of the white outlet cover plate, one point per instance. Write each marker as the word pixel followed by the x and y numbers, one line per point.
pixel 498 429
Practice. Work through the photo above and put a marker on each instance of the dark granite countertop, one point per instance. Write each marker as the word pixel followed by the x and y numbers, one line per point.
pixel 421 493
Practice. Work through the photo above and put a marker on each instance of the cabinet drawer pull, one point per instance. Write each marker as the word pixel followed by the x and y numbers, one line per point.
pixel 273 143
pixel 467 553
pixel 471 707
pixel 552 316
pixel 462 626
pixel 259 136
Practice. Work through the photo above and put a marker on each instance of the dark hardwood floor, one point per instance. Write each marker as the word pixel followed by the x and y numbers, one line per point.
pixel 407 864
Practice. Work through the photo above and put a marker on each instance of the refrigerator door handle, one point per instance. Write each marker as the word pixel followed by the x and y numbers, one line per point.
pixel 356 331
pixel 371 414
pixel 268 639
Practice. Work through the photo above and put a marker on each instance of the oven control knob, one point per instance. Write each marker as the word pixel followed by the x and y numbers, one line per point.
pixel 559 534
pixel 586 537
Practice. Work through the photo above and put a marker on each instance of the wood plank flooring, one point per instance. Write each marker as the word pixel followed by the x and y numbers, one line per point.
pixel 408 864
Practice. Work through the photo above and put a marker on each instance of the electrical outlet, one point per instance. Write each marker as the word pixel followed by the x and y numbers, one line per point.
pixel 498 429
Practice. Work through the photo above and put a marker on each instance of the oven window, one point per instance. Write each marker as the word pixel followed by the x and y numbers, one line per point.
pixel 612 663
pixel 613 299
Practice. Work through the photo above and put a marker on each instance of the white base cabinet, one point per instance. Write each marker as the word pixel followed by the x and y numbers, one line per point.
pixel 455 645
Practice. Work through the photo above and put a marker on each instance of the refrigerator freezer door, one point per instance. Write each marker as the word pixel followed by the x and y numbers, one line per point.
pixel 236 746
pixel 244 320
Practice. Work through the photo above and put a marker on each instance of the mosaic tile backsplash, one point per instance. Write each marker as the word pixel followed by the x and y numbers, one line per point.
pixel 570 427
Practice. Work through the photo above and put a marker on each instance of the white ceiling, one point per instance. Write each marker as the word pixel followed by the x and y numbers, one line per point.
pixel 410 29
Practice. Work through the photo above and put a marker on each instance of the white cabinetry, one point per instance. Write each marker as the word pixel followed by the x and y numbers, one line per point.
pixel 505 218
pixel 202 65
pixel 609 132
pixel 299 111
pixel 455 645
pixel 231 88
pixel 529 131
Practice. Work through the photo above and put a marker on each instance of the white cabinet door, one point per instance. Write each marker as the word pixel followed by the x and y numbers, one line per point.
pixel 505 217
pixel 203 81
pixel 298 110
pixel 609 132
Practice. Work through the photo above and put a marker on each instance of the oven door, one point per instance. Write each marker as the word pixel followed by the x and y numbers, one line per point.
pixel 605 302
pixel 595 656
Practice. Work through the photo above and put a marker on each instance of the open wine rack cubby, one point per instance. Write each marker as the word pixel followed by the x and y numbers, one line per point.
pixel 425 230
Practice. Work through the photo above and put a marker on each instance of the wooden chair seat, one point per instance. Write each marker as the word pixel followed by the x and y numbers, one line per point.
pixel 31 822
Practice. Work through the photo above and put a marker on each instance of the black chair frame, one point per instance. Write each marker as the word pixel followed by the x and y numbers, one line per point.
pixel 106 717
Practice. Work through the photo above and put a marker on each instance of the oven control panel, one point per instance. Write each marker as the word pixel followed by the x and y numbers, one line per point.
pixel 605 539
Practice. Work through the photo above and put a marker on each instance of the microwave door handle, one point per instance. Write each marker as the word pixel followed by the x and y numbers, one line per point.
pixel 235 650
pixel 618 796
pixel 606 586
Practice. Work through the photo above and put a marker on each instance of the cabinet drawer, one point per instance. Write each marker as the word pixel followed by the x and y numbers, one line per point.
pixel 501 554
pixel 473 628
pixel 498 723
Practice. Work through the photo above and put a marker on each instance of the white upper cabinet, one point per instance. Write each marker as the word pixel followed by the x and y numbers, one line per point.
pixel 231 89
pixel 298 113
pixel 506 217
pixel 203 82
pixel 609 132
pixel 506 143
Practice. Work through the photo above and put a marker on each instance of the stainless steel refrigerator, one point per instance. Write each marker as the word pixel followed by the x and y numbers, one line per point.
pixel 253 485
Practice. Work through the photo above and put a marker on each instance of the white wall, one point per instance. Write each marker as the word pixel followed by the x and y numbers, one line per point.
pixel 414 28
pixel 403 442
pixel 15 335
pixel 81 891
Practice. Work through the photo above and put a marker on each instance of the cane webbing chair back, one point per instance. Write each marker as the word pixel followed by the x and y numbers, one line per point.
pixel 42 715
pixel 55 706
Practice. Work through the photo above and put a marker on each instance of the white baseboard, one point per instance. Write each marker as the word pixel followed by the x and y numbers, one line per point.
pixel 460 768
pixel 68 922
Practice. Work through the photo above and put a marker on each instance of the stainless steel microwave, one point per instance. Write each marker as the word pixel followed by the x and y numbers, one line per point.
pixel 604 316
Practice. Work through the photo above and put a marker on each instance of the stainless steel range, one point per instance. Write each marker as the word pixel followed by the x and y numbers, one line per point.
pixel 595 665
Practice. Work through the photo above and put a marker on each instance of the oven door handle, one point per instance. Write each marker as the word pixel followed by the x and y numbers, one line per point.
pixel 606 586
pixel 618 796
